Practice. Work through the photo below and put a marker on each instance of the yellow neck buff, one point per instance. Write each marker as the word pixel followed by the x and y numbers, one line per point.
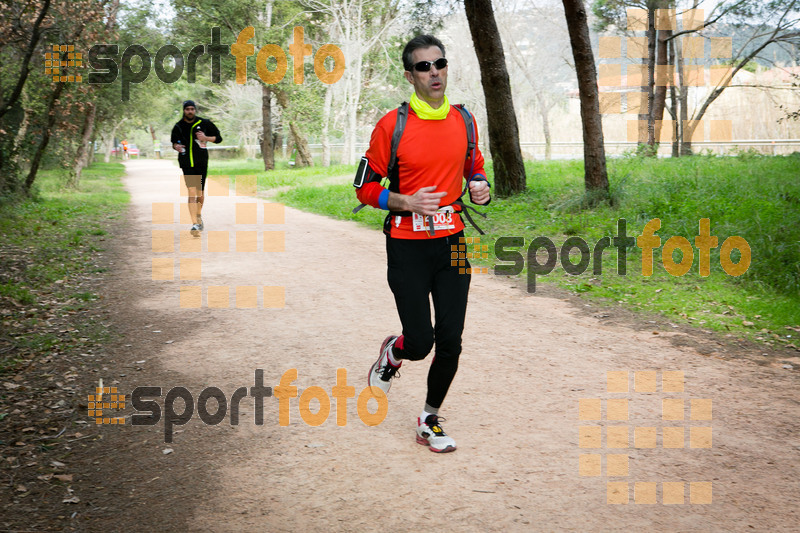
pixel 424 110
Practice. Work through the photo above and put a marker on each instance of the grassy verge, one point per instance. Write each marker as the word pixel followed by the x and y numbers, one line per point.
pixel 757 198
pixel 283 176
pixel 49 249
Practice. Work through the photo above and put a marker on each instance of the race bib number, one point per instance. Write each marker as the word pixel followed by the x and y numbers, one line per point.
pixel 443 219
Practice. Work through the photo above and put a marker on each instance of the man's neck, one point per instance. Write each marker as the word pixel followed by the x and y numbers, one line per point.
pixel 435 104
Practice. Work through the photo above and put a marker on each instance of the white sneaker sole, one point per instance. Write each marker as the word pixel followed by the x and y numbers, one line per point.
pixel 375 365
pixel 424 442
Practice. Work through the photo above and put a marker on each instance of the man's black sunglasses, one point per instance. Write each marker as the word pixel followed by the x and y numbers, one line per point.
pixel 425 66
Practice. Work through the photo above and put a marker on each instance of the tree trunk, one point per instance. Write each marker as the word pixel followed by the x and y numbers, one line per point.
pixel 673 96
pixel 112 15
pixel 660 98
pixel 267 148
pixel 594 155
pixel 683 99
pixel 348 82
pixel 36 33
pixel 303 153
pixel 156 153
pixel 90 158
pixel 354 100
pixel 81 155
pixel 23 130
pixel 277 142
pixel 509 168
pixel 544 112
pixel 51 120
pixel 108 146
pixel 697 117
pixel 647 113
pixel 346 136
pixel 326 120
pixel 289 149
pixel 689 128
pixel 108 140
pixel 283 101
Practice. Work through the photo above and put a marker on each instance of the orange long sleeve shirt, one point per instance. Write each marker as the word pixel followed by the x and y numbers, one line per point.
pixel 431 152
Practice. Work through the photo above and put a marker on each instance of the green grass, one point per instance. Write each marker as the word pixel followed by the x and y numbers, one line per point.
pixel 282 176
pixel 17 293
pixel 756 198
pixel 47 246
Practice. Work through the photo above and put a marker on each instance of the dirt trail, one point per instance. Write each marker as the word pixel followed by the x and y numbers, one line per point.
pixel 513 408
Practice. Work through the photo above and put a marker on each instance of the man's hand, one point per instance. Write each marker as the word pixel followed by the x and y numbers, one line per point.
pixel 176 147
pixel 424 201
pixel 479 192
pixel 202 137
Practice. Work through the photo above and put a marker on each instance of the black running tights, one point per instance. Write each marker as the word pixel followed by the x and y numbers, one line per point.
pixel 417 270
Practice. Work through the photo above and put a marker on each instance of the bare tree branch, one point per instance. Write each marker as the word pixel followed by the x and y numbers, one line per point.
pixel 24 70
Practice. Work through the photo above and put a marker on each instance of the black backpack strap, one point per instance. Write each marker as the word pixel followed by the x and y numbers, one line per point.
pixel 465 211
pixel 467 116
pixel 391 169
pixel 392 172
pixel 469 123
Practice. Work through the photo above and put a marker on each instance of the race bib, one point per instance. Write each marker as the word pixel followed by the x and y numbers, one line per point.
pixel 443 219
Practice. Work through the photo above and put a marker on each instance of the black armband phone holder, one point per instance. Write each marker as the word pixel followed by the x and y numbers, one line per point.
pixel 365 174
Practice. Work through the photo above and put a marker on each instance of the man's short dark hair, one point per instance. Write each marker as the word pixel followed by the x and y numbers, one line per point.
pixel 420 41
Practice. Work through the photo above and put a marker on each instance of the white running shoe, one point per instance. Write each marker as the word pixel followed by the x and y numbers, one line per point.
pixel 200 223
pixel 382 371
pixel 195 231
pixel 431 434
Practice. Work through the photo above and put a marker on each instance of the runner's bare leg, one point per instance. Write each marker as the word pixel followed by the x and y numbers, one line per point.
pixel 193 200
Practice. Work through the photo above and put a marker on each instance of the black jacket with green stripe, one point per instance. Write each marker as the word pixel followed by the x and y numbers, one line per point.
pixel 195 157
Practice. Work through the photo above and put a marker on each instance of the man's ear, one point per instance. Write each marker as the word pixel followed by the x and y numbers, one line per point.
pixel 409 77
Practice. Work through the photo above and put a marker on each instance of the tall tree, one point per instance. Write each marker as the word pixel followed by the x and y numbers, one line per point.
pixel 31 41
pixel 88 95
pixel 357 26
pixel 768 22
pixel 271 20
pixel 656 114
pixel 509 168
pixel 613 13
pixel 46 134
pixel 594 154
pixel 82 154
pixel 267 147
pixel 76 22
pixel 22 25
pixel 303 158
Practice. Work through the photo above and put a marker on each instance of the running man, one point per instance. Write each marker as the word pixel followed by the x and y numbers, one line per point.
pixel 189 138
pixel 432 164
